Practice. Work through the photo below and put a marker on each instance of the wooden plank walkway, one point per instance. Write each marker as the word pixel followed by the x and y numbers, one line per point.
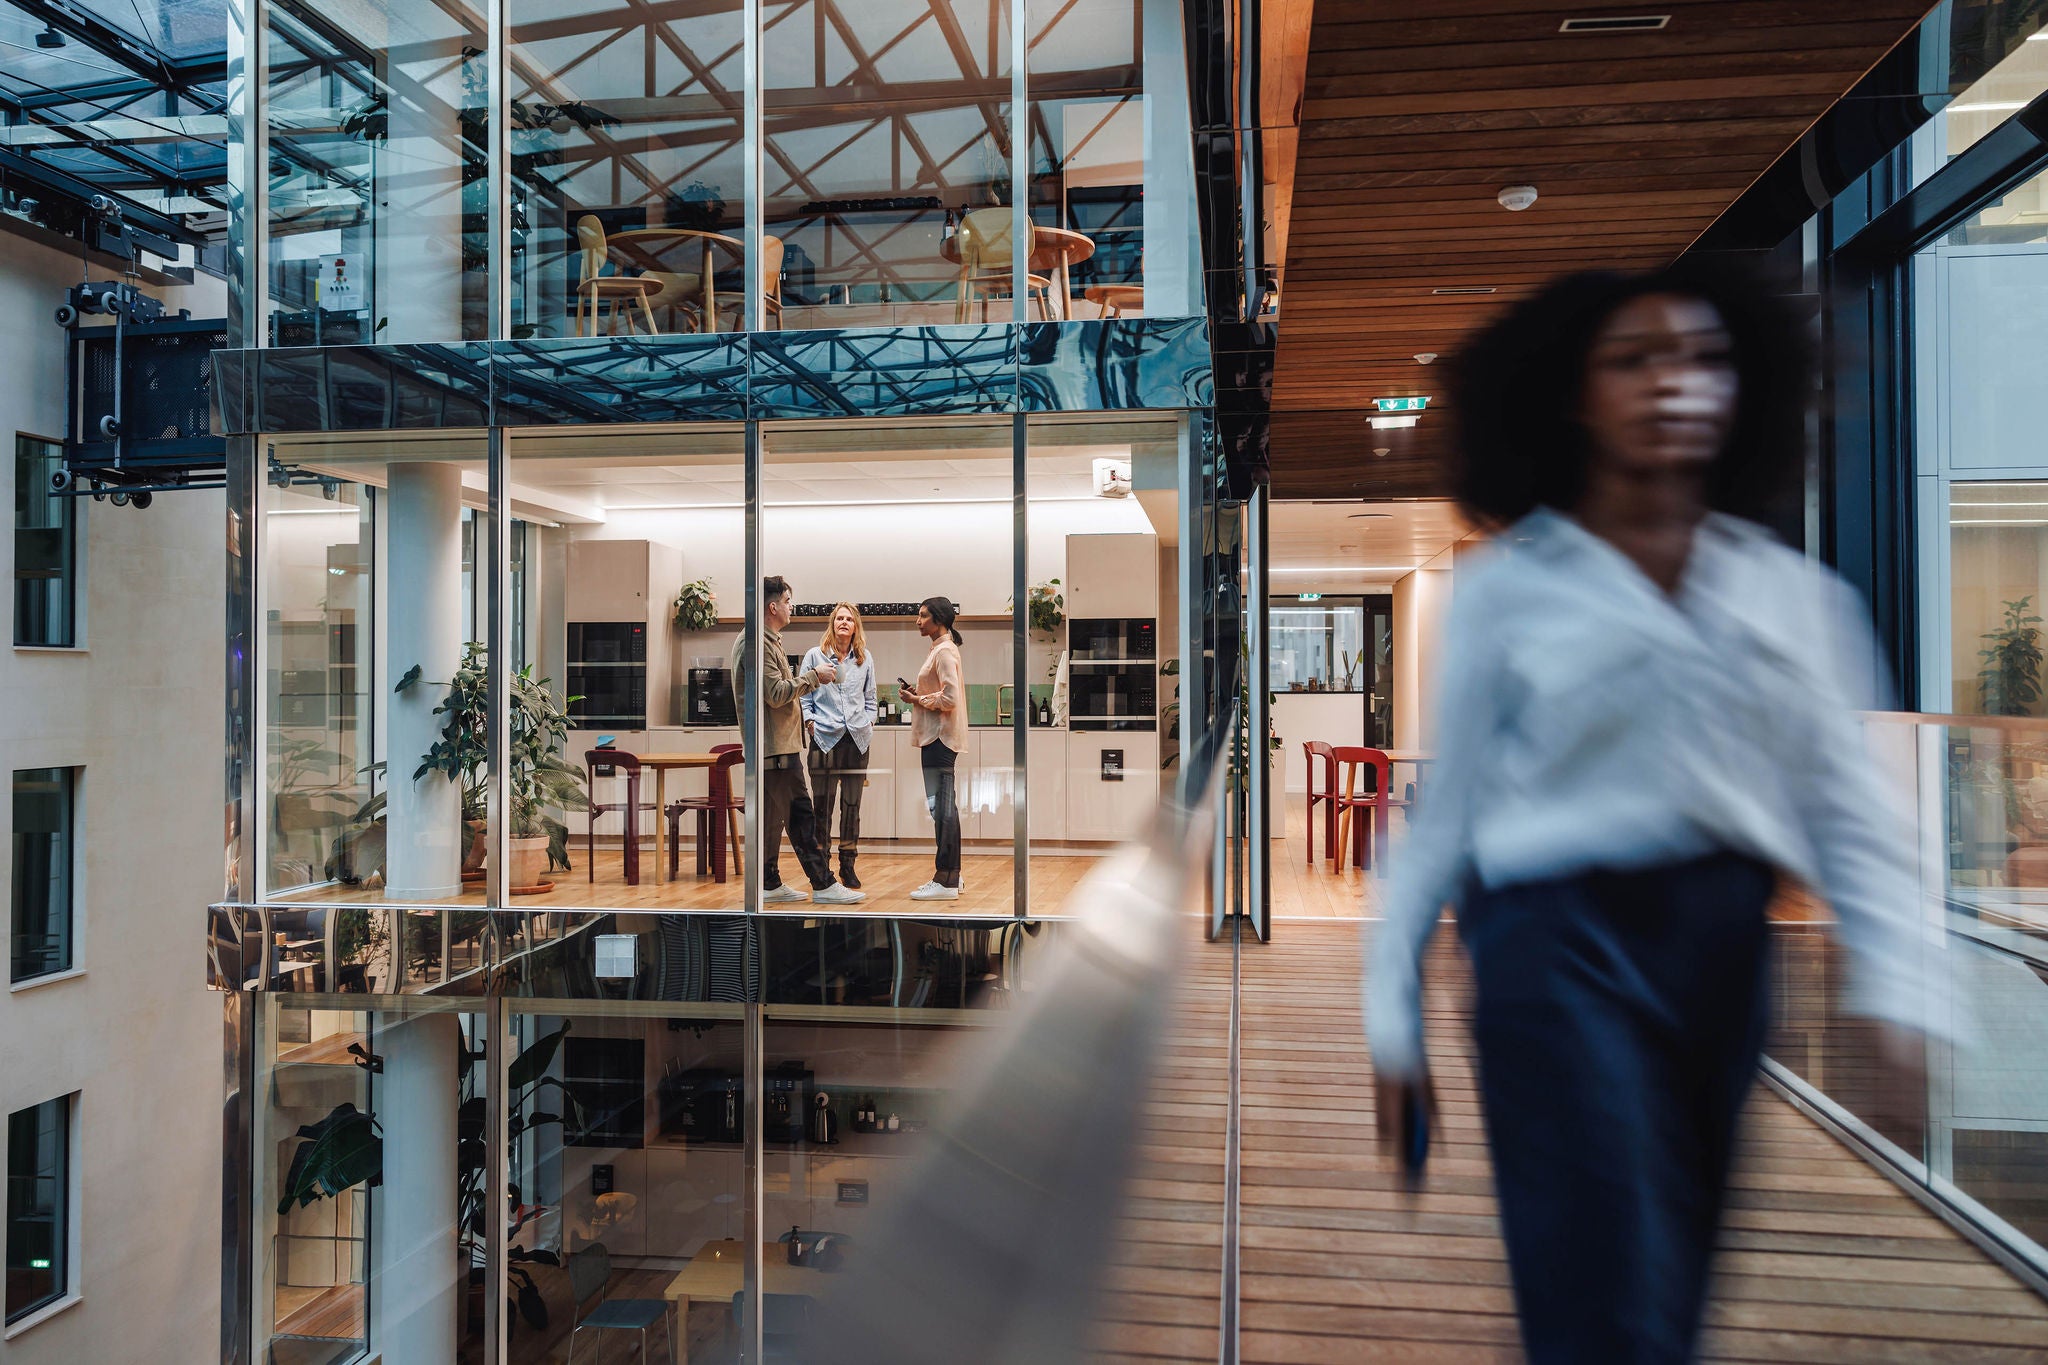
pixel 1824 1259
pixel 1165 1280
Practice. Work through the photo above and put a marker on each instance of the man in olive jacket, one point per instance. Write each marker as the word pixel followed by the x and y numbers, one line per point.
pixel 785 798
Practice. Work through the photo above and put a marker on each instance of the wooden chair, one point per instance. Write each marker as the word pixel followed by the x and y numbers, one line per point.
pixel 711 830
pixel 985 247
pixel 1352 805
pixel 594 288
pixel 590 1271
pixel 1321 761
pixel 772 249
pixel 1113 300
pixel 614 763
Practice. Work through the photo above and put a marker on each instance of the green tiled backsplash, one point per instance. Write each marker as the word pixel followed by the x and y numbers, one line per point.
pixel 983 700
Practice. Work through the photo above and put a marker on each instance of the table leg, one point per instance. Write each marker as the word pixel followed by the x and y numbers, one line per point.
pixel 680 1339
pixel 1066 297
pixel 711 295
pixel 660 825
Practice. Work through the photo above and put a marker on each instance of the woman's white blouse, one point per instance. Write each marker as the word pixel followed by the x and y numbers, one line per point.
pixel 1587 720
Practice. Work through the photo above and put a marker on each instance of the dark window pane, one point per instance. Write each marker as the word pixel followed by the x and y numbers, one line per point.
pixel 44 545
pixel 41 923
pixel 38 1185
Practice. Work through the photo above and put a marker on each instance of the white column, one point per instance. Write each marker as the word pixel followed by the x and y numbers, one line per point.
pixel 423 824
pixel 416 1268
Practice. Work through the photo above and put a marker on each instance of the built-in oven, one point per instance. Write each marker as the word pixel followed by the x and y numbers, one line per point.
pixel 608 675
pixel 1112 696
pixel 1113 639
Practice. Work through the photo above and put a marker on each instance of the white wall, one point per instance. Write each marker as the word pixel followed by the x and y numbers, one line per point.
pixel 139 707
pixel 1332 717
pixel 1420 601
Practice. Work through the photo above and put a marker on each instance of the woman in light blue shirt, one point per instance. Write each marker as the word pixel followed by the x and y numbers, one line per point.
pixel 840 717
pixel 1643 719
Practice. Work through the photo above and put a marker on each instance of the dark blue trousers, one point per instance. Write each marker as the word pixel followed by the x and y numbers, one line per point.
pixel 1619 1017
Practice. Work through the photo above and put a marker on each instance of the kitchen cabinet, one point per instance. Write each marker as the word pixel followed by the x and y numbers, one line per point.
pixel 988 804
pixel 1047 779
pixel 1100 809
pixel 1112 576
pixel 878 797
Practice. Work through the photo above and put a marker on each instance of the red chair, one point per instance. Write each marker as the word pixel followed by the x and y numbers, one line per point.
pixel 614 763
pixel 1315 752
pixel 711 830
pixel 1352 804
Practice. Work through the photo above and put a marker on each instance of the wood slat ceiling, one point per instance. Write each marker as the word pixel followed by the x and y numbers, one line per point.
pixel 1413 117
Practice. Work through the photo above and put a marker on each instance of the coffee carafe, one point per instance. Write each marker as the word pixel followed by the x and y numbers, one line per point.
pixel 824 1123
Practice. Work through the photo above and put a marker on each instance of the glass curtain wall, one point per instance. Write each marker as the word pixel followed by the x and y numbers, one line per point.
pixel 378 195
pixel 628 177
pixel 1088 155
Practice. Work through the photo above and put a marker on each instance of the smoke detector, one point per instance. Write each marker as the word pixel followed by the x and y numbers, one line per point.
pixel 1515 198
pixel 1425 357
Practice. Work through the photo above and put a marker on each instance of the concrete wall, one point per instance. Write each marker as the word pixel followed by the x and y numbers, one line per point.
pixel 134 1032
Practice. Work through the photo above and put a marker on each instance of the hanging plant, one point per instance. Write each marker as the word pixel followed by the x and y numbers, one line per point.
pixel 696 606
pixel 1046 607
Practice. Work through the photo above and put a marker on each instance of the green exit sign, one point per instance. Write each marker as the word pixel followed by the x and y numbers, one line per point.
pixel 1400 404
pixel 1308 597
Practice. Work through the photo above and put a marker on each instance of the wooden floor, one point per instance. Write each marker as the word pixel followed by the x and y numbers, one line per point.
pixel 988 884
pixel 1165 1279
pixel 1824 1260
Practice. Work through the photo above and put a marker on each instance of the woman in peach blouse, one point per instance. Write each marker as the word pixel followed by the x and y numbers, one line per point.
pixel 939 729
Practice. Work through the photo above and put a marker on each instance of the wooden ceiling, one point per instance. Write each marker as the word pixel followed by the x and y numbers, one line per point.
pixel 1413 117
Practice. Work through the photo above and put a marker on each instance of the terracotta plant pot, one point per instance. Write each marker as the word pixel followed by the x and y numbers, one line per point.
pixel 529 862
pixel 478 845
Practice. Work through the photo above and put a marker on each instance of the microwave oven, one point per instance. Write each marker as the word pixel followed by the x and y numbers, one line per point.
pixel 1104 696
pixel 1113 639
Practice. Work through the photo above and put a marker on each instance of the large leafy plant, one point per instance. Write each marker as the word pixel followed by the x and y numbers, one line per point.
pixel 2009 676
pixel 696 606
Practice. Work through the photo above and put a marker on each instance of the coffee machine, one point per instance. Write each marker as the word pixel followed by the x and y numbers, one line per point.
pixel 786 1099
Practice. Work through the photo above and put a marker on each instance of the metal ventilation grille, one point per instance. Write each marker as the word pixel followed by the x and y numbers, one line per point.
pixel 1465 289
pixel 1617 23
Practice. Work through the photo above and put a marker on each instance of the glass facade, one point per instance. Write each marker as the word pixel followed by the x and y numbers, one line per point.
pixel 557 1018
pixel 38 1206
pixel 45 548
pixel 41 938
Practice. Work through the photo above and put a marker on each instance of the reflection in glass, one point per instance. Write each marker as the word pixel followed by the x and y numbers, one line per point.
pixel 369 1182
pixel 627 164
pixel 887 122
pixel 377 201
pixel 45 585
pixel 1995 63
pixel 1998 584
pixel 1088 155
pixel 44 812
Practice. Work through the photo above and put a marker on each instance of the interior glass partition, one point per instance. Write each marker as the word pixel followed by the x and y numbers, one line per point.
pixel 376 205
pixel 633 598
pixel 627 209
pixel 879 516
pixel 1089 154
pixel 375 674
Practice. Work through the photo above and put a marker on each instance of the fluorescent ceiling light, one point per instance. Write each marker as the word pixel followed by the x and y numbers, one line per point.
pixel 1350 568
pixel 1988 107
pixel 770 504
pixel 2005 521
pixel 1993 506
pixel 1396 423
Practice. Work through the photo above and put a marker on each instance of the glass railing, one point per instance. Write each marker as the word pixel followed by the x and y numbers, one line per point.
pixel 1973 792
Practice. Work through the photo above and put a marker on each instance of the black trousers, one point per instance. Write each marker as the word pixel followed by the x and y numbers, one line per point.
pixel 937 763
pixel 838 775
pixel 786 804
pixel 1619 1018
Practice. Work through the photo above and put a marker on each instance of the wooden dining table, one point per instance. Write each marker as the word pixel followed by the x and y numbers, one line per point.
pixel 662 765
pixel 638 248
pixel 1053 251
pixel 719 1271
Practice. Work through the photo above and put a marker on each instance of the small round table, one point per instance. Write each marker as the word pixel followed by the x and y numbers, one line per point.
pixel 1116 299
pixel 1053 250
pixel 635 245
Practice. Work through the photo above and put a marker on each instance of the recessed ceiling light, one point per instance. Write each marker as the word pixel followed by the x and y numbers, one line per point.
pixel 1396 423
pixel 1425 357
pixel 1987 107
pixel 1466 289
pixel 1382 451
pixel 1615 23
pixel 1365 516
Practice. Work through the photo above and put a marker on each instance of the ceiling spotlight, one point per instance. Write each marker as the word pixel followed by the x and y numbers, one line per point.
pixel 1425 357
pixel 1515 198
pixel 1382 451
pixel 49 38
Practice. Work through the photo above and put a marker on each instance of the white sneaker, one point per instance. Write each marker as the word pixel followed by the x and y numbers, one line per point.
pixel 781 894
pixel 838 894
pixel 932 891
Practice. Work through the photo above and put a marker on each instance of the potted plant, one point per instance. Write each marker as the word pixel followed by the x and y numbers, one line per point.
pixel 1045 607
pixel 462 751
pixel 696 606
pixel 541 781
pixel 2009 678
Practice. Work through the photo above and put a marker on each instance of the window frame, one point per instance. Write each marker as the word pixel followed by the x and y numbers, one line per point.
pixel 63 1242
pixel 68 574
pixel 70 779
